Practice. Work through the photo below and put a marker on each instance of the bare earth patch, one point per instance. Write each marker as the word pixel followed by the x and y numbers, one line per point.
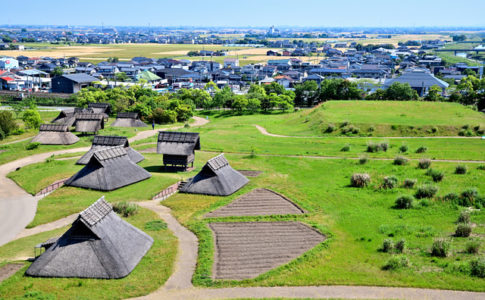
pixel 250 173
pixel 247 249
pixel 8 270
pixel 258 202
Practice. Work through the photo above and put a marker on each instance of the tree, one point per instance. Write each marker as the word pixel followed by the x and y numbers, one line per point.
pixel 7 123
pixel 58 71
pixel 400 91
pixel 254 104
pixel 211 87
pixel 434 94
pixel 32 119
pixel 239 103
pixel 459 38
pixel 223 98
pixel 163 116
pixel 306 93
pixel 274 87
pixel 121 76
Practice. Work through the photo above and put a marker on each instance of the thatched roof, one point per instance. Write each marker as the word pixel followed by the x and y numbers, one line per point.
pixel 107 170
pixel 101 142
pixel 89 122
pixel 68 116
pixel 55 134
pixel 99 244
pixel 100 107
pixel 177 143
pixel 128 119
pixel 216 178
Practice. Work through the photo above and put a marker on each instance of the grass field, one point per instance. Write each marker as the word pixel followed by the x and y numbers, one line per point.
pixel 140 282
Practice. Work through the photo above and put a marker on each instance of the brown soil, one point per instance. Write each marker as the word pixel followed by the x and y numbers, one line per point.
pixel 8 270
pixel 249 173
pixel 247 249
pixel 258 202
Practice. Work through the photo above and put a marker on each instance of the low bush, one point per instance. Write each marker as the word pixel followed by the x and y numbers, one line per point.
pixel 477 267
pixel 32 146
pixel 396 262
pixel 400 246
pixel 464 217
pixel 387 245
pixel 440 248
pixel 463 230
pixel 434 129
pixel 400 160
pixel 345 148
pixel 426 191
pixel 404 202
pixel 424 163
pixel 468 197
pixel 403 148
pixel 363 160
pixel 481 167
pixel 436 175
pixel 345 124
pixel 421 149
pixel 330 128
pixel 472 247
pixel 377 147
pixel 409 183
pixel 452 197
pixel 371 129
pixel 126 209
pixel 460 169
pixel 384 146
pixel 360 180
pixel 389 182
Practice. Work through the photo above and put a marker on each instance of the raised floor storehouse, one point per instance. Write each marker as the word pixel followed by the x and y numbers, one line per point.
pixel 178 148
pixel 102 142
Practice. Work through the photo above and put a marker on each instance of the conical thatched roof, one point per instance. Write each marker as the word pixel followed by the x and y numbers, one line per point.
pixel 101 142
pixel 68 116
pixel 55 134
pixel 99 244
pixel 216 178
pixel 177 143
pixel 108 170
pixel 128 119
pixel 89 122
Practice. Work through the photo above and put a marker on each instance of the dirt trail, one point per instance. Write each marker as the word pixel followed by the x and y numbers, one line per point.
pixel 17 207
pixel 265 132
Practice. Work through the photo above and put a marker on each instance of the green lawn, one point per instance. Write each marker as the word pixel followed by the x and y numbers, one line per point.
pixel 355 220
pixel 152 271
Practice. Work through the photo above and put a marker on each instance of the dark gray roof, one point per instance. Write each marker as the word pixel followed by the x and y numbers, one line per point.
pixel 80 78
pixel 418 78
pixel 99 107
pixel 89 122
pixel 55 137
pixel 216 178
pixel 128 119
pixel 53 127
pixel 105 142
pixel 129 115
pixel 99 244
pixel 107 170
pixel 178 143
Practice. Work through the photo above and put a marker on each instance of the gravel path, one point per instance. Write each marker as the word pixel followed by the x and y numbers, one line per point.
pixel 265 132
pixel 17 207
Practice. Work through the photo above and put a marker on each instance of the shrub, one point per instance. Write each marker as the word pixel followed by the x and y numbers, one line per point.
pixel 404 202
pixel 403 148
pixel 400 246
pixel 400 160
pixel 387 245
pixel 477 267
pixel 330 128
pixel 371 129
pixel 440 248
pixel 460 169
pixel 436 175
pixel 466 126
pixel 7 122
pixel 384 146
pixel 125 209
pixel 345 124
pixel 32 146
pixel 481 167
pixel 424 163
pixel 186 125
pixel 409 183
pixel 31 118
pixel 464 217
pixel 374 147
pixel 421 149
pixel 451 197
pixel 467 197
pixel 396 262
pixel 363 160
pixel 345 148
pixel 434 129
pixel 360 180
pixel 463 230
pixel 389 182
pixel 426 191
pixel 394 127
pixel 163 116
pixel 472 247
pixel 155 225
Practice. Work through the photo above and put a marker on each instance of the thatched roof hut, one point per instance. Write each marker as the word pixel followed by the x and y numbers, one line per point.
pixel 68 116
pixel 101 142
pixel 178 148
pixel 128 119
pixel 99 244
pixel 54 134
pixel 108 170
pixel 101 108
pixel 89 122
pixel 216 178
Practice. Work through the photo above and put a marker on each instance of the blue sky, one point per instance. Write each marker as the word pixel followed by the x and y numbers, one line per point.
pixel 335 13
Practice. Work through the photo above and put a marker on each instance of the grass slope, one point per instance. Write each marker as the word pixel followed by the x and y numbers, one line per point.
pixel 152 271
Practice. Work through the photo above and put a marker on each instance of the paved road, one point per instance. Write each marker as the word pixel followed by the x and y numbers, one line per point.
pixel 17 207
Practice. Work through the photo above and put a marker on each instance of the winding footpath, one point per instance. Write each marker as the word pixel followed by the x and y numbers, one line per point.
pixel 17 209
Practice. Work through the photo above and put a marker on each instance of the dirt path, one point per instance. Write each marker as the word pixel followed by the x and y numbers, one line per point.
pixel 265 132
pixel 17 207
